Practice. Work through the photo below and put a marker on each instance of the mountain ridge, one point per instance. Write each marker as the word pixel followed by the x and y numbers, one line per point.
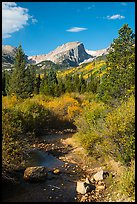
pixel 69 54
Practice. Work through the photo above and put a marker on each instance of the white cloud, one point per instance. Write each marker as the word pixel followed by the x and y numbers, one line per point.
pixel 117 16
pixel 14 18
pixel 33 20
pixel 76 29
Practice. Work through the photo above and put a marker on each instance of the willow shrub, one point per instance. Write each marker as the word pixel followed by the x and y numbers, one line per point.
pixel 36 116
pixel 90 124
pixel 127 181
pixel 13 145
pixel 120 134
pixel 108 131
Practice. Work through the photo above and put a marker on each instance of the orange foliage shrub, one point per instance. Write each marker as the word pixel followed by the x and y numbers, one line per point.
pixel 9 101
pixel 61 106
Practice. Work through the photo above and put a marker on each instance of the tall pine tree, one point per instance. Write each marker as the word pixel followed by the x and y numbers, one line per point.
pixel 120 76
pixel 20 83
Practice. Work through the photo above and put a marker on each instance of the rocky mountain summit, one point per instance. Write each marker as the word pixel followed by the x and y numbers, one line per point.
pixel 9 50
pixel 71 54
pixel 8 56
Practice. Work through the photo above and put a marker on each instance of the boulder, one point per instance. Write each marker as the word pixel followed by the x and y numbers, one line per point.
pixel 105 174
pixel 83 187
pixel 56 171
pixel 98 176
pixel 37 173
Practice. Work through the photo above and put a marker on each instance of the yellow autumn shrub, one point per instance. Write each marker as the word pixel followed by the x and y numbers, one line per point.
pixel 10 101
pixel 61 105
pixel 74 111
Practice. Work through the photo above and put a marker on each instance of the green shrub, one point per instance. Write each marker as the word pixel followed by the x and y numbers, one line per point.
pixel 36 116
pixel 120 124
pixel 13 145
pixel 89 120
pixel 127 181
pixel 88 140
pixel 12 121
pixel 90 125
pixel 124 184
pixel 108 131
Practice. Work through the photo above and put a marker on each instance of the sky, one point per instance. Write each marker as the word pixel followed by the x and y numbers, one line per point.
pixel 40 27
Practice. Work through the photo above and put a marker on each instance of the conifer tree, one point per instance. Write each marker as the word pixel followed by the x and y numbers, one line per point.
pixel 120 76
pixel 3 84
pixel 52 82
pixel 82 84
pixel 92 84
pixel 44 86
pixel 20 84
pixel 37 84
pixel 61 87
pixel 76 83
pixel 69 83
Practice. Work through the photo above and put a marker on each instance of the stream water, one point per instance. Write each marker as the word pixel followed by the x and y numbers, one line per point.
pixel 40 158
pixel 62 188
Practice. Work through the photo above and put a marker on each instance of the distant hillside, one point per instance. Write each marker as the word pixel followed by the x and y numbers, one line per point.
pixel 47 64
pixel 97 67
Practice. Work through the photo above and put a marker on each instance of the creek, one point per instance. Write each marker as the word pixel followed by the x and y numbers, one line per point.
pixel 40 158
pixel 60 188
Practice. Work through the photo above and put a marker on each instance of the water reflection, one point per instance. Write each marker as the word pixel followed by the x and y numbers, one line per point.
pixel 39 158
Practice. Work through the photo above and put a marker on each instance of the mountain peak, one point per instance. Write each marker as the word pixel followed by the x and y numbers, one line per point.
pixel 70 53
pixel 8 49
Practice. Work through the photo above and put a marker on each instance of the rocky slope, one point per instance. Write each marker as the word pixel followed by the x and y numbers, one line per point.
pixel 71 54
pixel 8 55
pixel 97 53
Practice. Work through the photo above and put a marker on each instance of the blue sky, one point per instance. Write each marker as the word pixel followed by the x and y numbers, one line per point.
pixel 42 26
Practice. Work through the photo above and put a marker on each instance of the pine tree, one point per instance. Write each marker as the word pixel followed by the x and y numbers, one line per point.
pixel 44 86
pixel 30 79
pixel 3 84
pixel 120 75
pixel 82 84
pixel 52 82
pixel 69 83
pixel 61 87
pixel 92 84
pixel 76 83
pixel 20 84
pixel 37 84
